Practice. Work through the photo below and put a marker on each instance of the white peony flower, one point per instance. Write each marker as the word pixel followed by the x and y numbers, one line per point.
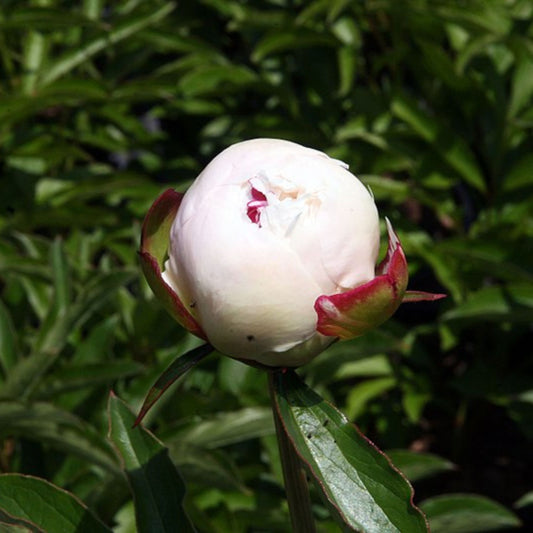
pixel 272 253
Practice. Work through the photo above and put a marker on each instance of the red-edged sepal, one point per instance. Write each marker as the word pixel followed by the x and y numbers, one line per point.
pixel 154 245
pixel 421 296
pixel 354 312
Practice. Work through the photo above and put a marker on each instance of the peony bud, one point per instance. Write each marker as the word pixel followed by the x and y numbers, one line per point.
pixel 272 253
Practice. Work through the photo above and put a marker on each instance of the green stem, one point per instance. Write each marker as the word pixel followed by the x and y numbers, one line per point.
pixel 294 476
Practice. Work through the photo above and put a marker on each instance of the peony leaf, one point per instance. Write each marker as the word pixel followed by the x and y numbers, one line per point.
pixel 417 465
pixel 77 56
pixel 467 513
pixel 9 524
pixel 225 428
pixel 365 491
pixel 512 302
pixel 41 506
pixel 176 369
pixel 452 148
pixel 59 429
pixel 8 341
pixel 157 487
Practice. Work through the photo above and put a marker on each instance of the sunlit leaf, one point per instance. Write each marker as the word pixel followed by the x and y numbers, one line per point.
pixel 364 392
pixel 365 492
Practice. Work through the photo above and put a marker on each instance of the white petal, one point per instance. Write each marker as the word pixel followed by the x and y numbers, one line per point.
pixel 250 291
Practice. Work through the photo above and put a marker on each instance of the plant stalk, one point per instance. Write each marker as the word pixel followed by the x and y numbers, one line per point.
pixel 296 486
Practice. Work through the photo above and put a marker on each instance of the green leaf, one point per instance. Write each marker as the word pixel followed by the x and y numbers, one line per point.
pixel 157 487
pixel 365 491
pixel 54 332
pixel 98 342
pixel 73 59
pixel 520 173
pixel 97 292
pixel 236 378
pixel 11 264
pixel 511 303
pixel 92 8
pixel 525 501
pixel 489 256
pixel 364 392
pixel 288 41
pixel 60 429
pixel 447 144
pixel 418 466
pixel 34 56
pixel 8 340
pixel 44 18
pixel 125 185
pixel 210 468
pixel 45 505
pixel 522 82
pixel 170 41
pixel 467 513
pixel 444 269
pixel 215 79
pixel 10 524
pixel 387 188
pixel 347 59
pixel 228 428
pixel 177 368
pixel 481 15
pixel 73 378
pixel 61 278
pixel 76 90
pixel 373 365
pixel 341 358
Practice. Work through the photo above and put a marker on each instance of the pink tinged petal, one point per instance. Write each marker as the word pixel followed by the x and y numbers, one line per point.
pixel 154 244
pixel 258 201
pixel 354 312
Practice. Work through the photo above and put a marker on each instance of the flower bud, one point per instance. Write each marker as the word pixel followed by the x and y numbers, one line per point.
pixel 272 253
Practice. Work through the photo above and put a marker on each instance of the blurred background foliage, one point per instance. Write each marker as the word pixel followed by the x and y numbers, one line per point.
pixel 103 105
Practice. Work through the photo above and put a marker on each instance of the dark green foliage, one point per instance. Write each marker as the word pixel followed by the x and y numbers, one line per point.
pixel 103 105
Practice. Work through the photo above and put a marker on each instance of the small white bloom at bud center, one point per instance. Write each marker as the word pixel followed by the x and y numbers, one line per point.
pixel 281 205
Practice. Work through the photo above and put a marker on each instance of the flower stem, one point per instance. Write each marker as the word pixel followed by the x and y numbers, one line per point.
pixel 296 487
